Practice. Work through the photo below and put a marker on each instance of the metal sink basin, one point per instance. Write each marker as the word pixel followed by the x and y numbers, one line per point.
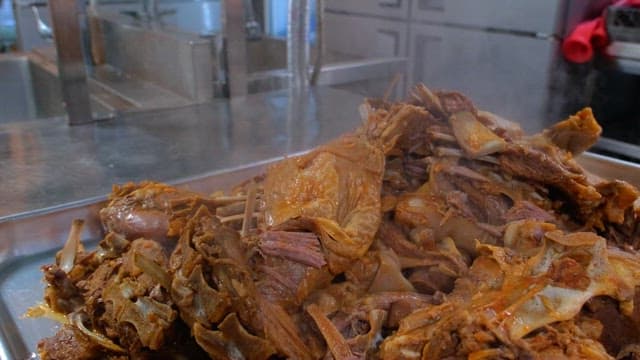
pixel 28 90
pixel 180 52
pixel 196 17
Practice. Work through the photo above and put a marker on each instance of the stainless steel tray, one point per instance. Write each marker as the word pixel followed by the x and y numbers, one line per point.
pixel 29 241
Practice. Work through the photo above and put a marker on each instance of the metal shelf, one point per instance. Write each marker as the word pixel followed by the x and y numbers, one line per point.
pixel 625 56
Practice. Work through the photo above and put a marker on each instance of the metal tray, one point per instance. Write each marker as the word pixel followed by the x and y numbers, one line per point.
pixel 29 242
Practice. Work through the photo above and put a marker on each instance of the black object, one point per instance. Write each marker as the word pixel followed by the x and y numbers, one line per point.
pixel 623 23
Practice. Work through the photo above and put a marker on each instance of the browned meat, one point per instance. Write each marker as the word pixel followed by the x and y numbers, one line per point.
pixel 336 189
pixel 435 230
pixel 68 343
pixel 152 210
pixel 297 246
pixel 525 210
pixel 577 133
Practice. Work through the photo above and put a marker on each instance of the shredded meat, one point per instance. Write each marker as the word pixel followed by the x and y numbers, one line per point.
pixel 435 230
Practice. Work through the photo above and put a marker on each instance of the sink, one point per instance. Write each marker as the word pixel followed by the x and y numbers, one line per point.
pixel 28 90
pixel 195 17
pixel 178 52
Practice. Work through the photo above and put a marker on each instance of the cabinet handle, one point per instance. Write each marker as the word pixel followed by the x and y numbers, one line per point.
pixel 436 5
pixel 391 4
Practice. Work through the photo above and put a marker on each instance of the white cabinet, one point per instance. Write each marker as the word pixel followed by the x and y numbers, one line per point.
pixel 534 16
pixel 386 8
pixel 365 37
pixel 503 73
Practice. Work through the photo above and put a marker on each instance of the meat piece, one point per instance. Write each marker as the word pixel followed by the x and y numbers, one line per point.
pixel 300 247
pixel 475 138
pixel 618 330
pixel 567 271
pixel 288 282
pixel 337 189
pixel 423 210
pixel 502 127
pixel 526 210
pixel 128 301
pixel 546 166
pixel 336 343
pixel 399 128
pixel 151 210
pixel 61 293
pixel 455 102
pixel 620 197
pixel 430 280
pixel 577 133
pixel 389 276
pixel 232 341
pixel 193 288
pixel 68 343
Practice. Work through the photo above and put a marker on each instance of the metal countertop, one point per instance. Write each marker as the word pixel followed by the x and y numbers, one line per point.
pixel 45 164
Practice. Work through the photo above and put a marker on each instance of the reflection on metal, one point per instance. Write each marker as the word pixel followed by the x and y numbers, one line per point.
pixel 43 29
pixel 320 43
pixel 150 11
pixel 37 157
pixel 28 90
pixel 297 43
pixel 175 60
pixel 234 32
pixel 71 64
pixel 379 69
pixel 619 147
pixel 253 28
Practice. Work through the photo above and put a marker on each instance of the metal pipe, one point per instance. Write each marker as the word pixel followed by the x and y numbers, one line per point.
pixel 236 47
pixel 297 43
pixel 320 48
pixel 253 28
pixel 150 9
pixel 67 31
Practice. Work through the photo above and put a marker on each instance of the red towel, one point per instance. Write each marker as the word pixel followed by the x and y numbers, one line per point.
pixel 578 47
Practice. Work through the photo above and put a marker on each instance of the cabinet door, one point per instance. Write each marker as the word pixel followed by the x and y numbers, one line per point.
pixel 503 73
pixel 365 37
pixel 387 8
pixel 534 16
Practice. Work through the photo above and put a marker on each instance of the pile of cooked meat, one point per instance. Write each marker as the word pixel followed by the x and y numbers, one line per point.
pixel 435 230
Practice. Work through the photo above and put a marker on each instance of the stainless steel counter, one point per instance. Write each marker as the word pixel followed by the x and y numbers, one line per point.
pixel 45 164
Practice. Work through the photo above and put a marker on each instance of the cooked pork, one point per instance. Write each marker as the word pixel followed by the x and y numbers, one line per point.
pixel 435 230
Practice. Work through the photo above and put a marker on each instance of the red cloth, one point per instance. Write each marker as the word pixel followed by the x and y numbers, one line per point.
pixel 579 46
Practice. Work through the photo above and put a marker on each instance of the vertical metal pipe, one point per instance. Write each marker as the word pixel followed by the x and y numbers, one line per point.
pixel 297 43
pixel 320 48
pixel 67 32
pixel 236 47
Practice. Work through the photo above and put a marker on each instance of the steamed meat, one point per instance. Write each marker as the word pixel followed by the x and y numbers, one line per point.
pixel 435 230
pixel 152 210
pixel 336 190
pixel 577 133
pixel 510 297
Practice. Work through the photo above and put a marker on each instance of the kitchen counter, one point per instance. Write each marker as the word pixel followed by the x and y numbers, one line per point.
pixel 46 164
